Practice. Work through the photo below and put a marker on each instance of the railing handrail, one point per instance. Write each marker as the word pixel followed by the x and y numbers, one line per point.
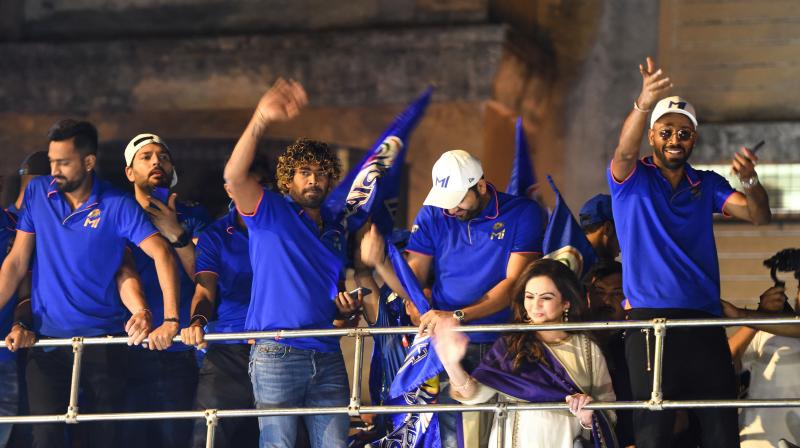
pixel 656 402
pixel 486 328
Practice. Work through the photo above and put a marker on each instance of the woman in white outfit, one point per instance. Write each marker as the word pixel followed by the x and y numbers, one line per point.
pixel 538 366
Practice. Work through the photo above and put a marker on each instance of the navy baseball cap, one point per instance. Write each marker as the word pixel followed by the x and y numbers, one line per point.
pixel 596 210
pixel 35 164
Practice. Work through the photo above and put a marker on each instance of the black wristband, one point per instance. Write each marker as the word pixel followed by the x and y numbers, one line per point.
pixel 172 319
pixel 22 324
pixel 183 240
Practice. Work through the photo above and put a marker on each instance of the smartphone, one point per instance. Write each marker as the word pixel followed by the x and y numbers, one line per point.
pixel 160 193
pixel 364 292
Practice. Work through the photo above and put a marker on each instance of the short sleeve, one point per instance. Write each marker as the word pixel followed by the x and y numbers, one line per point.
pixel 263 216
pixel 753 351
pixel 529 230
pixel 621 187
pixel 422 237
pixel 722 191
pixel 207 253
pixel 132 223
pixel 26 221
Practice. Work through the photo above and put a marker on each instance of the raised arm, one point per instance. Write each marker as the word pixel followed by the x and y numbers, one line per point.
pixel 282 102
pixel 158 249
pixel 655 85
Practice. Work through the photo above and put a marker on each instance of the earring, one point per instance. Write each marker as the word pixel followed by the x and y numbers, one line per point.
pixel 566 315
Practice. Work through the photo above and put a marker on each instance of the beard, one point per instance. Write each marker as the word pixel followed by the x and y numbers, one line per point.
pixel 68 186
pixel 470 214
pixel 311 197
pixel 673 164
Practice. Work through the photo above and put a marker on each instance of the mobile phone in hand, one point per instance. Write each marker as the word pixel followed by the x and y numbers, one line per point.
pixel 161 194
pixel 364 292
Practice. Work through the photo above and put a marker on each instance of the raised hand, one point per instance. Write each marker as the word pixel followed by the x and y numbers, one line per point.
pixel 744 164
pixel 282 102
pixel 373 247
pixel 655 85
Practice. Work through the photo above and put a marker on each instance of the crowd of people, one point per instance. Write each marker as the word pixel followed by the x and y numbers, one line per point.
pixel 88 259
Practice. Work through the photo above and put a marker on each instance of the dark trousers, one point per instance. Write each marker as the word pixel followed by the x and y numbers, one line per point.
pixel 160 381
pixel 224 383
pixel 696 365
pixel 102 387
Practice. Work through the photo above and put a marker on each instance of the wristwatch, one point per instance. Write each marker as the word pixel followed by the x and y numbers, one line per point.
pixel 459 315
pixel 750 182
pixel 183 240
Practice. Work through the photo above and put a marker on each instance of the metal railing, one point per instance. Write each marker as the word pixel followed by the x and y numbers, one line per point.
pixel 355 407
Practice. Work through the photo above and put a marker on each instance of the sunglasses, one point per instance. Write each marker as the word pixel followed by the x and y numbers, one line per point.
pixel 682 134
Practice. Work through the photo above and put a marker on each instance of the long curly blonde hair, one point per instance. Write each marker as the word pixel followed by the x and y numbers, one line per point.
pixel 305 152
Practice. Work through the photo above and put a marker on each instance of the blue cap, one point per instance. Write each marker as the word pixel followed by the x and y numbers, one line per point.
pixel 596 210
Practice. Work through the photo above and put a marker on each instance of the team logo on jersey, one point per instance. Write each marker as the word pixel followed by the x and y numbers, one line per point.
pixel 498 231
pixel 92 219
pixel 414 228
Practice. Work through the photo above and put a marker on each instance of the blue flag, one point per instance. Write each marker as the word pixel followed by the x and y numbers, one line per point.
pixel 564 239
pixel 371 191
pixel 374 184
pixel 523 179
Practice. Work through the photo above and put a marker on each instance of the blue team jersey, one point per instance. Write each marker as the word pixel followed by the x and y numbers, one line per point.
pixel 666 237
pixel 8 224
pixel 470 258
pixel 78 253
pixel 223 251
pixel 193 219
pixel 297 269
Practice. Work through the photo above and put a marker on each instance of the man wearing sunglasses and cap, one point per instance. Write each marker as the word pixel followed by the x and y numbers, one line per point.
pixel 162 380
pixel 663 211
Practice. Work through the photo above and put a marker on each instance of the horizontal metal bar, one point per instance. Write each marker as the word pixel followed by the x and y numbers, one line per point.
pixel 366 331
pixel 488 407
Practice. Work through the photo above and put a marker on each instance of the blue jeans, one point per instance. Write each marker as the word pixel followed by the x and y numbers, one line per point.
pixel 287 377
pixel 9 396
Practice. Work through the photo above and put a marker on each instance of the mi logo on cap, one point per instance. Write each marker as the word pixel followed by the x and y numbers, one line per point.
pixel 679 104
pixel 442 183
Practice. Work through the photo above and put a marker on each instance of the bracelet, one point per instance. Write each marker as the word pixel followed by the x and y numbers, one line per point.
pixel 636 106
pixel 146 310
pixel 27 299
pixel 172 319
pixel 198 317
pixel 584 427
pixel 463 386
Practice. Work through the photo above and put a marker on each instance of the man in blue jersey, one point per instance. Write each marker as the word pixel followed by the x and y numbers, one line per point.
pixel 475 241
pixel 298 259
pixel 78 226
pixel 162 380
pixel 663 215
pixel 221 298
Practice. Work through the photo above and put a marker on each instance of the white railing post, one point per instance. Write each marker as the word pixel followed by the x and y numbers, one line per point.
pixel 211 426
pixel 500 416
pixel 77 357
pixel 660 331
pixel 354 408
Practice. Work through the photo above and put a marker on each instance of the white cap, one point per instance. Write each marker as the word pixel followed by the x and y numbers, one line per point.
pixel 142 140
pixel 453 175
pixel 673 105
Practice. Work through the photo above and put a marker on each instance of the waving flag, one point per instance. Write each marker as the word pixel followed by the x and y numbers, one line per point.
pixel 371 191
pixel 523 178
pixel 564 240
pixel 375 182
